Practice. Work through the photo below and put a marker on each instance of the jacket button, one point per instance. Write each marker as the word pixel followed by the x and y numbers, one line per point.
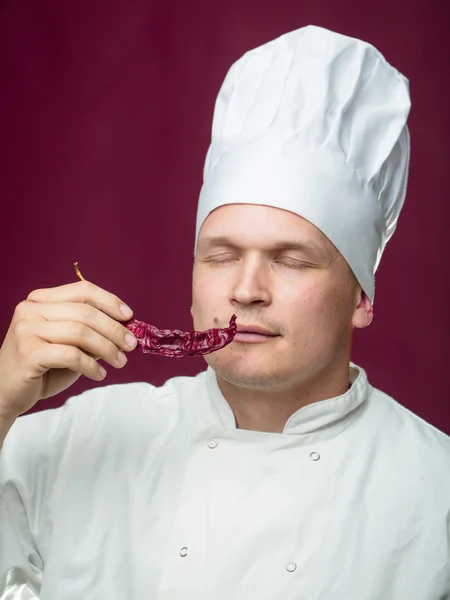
pixel 291 567
pixel 314 456
pixel 213 443
pixel 183 551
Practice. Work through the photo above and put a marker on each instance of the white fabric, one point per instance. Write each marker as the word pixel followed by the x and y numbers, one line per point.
pixel 350 502
pixel 314 122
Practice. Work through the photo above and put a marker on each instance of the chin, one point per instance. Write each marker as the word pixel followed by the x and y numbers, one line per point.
pixel 244 372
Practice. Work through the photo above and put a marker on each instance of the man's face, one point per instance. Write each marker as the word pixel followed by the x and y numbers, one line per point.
pixel 274 269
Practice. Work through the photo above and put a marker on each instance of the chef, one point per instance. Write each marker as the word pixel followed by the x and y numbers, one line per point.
pixel 279 472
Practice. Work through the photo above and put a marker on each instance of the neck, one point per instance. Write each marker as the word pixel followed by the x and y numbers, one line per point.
pixel 268 410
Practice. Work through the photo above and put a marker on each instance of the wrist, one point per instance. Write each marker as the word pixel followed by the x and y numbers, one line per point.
pixel 6 422
pixel 6 416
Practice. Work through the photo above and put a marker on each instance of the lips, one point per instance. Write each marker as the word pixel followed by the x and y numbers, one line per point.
pixel 255 329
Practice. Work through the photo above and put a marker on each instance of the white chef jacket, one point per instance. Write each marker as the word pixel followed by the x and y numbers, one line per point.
pixel 135 491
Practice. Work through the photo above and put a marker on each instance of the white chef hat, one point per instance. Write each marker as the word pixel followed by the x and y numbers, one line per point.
pixel 314 122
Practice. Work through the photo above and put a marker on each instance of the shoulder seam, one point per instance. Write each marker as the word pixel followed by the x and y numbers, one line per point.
pixel 415 416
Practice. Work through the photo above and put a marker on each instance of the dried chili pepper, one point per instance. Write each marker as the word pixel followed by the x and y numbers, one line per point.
pixel 175 343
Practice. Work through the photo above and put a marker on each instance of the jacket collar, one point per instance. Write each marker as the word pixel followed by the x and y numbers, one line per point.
pixel 310 418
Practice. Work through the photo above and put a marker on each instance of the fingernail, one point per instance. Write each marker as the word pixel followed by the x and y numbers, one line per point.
pixel 102 372
pixel 130 341
pixel 121 358
pixel 126 310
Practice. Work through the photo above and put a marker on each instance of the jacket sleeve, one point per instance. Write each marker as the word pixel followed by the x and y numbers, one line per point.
pixel 28 464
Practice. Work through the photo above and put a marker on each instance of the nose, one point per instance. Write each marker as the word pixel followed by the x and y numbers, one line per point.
pixel 251 283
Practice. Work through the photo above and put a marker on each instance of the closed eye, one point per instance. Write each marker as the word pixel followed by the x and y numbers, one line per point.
pixel 221 260
pixel 294 264
pixel 288 263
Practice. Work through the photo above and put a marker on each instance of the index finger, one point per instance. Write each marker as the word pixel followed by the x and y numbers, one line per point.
pixel 87 292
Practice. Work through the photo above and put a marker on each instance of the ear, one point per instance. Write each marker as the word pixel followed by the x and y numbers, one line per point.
pixel 363 315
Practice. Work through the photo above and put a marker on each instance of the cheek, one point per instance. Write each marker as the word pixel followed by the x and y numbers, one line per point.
pixel 300 299
pixel 205 294
pixel 327 313
pixel 313 307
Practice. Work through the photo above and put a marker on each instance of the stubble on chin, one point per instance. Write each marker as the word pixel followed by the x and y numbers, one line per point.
pixel 251 376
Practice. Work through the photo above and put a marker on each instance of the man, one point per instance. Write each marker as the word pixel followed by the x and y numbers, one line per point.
pixel 279 472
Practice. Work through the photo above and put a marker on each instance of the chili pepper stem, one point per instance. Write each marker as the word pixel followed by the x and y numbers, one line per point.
pixel 78 272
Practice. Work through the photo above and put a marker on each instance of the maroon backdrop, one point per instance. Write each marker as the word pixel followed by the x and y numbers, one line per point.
pixel 105 115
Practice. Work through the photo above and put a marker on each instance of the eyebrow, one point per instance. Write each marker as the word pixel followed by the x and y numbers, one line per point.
pixel 318 251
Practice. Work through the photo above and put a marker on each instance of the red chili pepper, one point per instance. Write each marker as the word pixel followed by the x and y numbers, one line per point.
pixel 176 344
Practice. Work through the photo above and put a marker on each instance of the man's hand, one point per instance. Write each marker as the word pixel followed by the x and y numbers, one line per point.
pixel 55 336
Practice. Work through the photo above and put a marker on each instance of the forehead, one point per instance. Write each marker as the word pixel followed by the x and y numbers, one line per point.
pixel 259 225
